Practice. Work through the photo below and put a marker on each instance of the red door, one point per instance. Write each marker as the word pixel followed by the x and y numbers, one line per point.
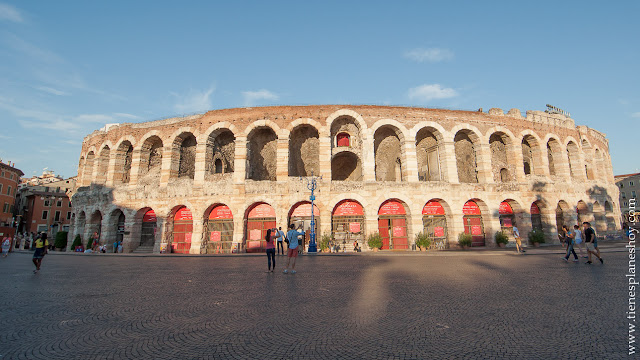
pixel 399 234
pixel 473 225
pixel 182 231
pixel 383 228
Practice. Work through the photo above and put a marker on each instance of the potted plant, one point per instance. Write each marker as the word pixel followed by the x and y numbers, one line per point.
pixel 60 242
pixel 501 239
pixel 374 241
pixel 423 241
pixel 536 237
pixel 77 243
pixel 323 244
pixel 464 240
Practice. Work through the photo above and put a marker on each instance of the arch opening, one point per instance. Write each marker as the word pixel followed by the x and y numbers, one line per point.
pixel 392 225
pixel 347 223
pixel 219 235
pixel 428 156
pixel 304 151
pixel 262 154
pixel 220 153
pixel 473 223
pixel 465 157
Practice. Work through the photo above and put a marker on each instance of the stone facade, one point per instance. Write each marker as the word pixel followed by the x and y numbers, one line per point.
pixel 368 154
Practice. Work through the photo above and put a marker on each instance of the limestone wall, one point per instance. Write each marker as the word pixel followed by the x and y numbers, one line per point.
pixel 240 157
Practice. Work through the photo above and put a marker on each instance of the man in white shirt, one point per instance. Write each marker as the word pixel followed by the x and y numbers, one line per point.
pixel 280 240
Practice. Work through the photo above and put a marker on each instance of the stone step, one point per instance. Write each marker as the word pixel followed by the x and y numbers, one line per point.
pixel 143 250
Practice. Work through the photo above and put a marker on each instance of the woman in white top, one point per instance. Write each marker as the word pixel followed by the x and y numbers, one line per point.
pixel 6 244
pixel 578 240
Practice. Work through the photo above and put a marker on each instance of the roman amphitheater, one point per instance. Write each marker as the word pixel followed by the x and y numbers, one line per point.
pixel 214 182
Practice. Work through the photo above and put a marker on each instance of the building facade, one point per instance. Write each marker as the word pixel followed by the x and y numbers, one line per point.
pixel 9 180
pixel 215 182
pixel 629 185
pixel 45 206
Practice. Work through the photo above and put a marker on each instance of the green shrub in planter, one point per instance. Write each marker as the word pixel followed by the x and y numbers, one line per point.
pixel 61 240
pixel 423 240
pixel 77 241
pixel 323 244
pixel 501 238
pixel 374 241
pixel 464 240
pixel 536 236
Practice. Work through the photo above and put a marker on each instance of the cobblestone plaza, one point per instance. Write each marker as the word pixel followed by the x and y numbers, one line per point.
pixel 447 305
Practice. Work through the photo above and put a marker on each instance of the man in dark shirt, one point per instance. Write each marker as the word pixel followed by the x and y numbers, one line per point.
pixel 591 241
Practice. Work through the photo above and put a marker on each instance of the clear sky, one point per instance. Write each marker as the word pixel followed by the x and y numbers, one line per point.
pixel 69 67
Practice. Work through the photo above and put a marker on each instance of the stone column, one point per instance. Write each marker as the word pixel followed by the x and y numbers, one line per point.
pixel 200 165
pixel 483 163
pixel 410 170
pixel 449 167
pixel 240 160
pixel 111 169
pixel 163 233
pixel 197 235
pixel 416 225
pixel 282 161
pixel 368 159
pixel 136 167
pixel 167 165
pixel 132 232
pixel 516 161
pixel 325 157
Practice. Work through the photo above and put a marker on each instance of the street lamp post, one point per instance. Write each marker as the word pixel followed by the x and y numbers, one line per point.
pixel 312 184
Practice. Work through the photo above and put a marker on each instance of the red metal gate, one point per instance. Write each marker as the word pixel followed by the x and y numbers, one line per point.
pixel 473 223
pixel 392 225
pixel 261 217
pixel 219 232
pixel 182 231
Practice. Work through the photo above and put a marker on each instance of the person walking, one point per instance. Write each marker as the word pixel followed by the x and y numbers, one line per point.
pixel 120 246
pixel 516 235
pixel 271 236
pixel 579 242
pixel 292 252
pixel 41 245
pixel 6 244
pixel 591 241
pixel 569 236
pixel 280 241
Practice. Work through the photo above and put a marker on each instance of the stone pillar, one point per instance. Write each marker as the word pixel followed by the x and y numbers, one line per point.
pixel 449 167
pixel 200 165
pixel 325 157
pixel 483 163
pixel 240 160
pixel 540 161
pixel 581 175
pixel 133 227
pixel 371 226
pixel 197 235
pixel 368 159
pixel 163 233
pixel 167 165
pixel 238 231
pixel 111 169
pixel 516 161
pixel 282 161
pixel 410 170
pixel 136 167
pixel 416 225
pixel 491 222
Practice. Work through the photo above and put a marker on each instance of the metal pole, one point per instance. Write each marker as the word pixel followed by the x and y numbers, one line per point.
pixel 312 185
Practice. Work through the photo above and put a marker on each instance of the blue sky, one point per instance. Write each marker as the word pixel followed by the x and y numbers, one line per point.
pixel 69 67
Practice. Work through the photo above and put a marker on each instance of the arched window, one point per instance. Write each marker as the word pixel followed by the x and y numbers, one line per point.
pixel 343 139
pixel 218 166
